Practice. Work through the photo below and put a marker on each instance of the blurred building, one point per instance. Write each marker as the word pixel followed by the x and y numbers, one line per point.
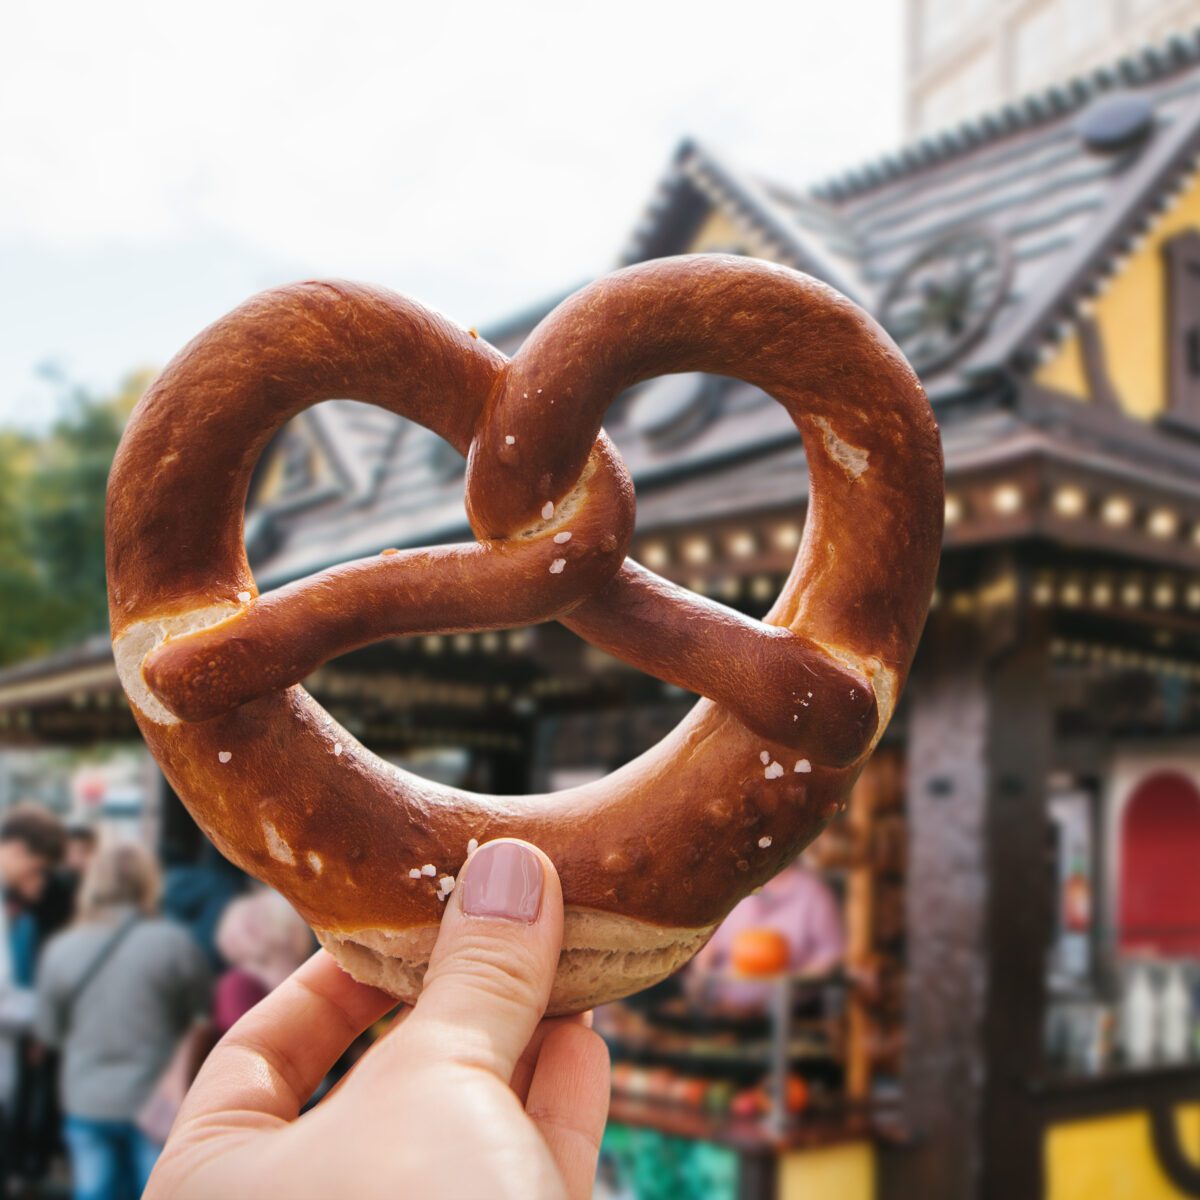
pixel 1019 865
pixel 968 56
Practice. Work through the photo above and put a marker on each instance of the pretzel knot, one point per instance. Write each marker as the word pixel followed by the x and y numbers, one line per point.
pixel 209 664
pixel 552 504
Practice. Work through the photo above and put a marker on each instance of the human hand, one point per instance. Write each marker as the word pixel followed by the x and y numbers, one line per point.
pixel 469 1093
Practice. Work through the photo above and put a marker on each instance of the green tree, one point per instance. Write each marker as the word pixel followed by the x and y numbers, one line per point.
pixel 52 588
pixel 22 615
pixel 65 514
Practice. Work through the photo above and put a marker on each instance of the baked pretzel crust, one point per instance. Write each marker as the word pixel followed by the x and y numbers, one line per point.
pixel 676 837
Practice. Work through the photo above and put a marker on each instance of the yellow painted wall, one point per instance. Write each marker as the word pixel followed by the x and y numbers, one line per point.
pixel 271 477
pixel 1112 1158
pixel 717 233
pixel 1131 317
pixel 1064 372
pixel 837 1173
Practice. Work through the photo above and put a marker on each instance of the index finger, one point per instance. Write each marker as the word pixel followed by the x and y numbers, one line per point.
pixel 272 1060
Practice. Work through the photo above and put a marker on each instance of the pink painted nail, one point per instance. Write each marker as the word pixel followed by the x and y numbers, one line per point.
pixel 503 880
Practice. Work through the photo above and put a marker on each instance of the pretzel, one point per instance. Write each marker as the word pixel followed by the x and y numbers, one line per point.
pixel 653 856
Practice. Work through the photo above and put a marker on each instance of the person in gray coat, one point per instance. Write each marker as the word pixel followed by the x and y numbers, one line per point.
pixel 117 993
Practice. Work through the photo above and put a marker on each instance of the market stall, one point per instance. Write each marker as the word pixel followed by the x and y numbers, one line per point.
pixel 1015 1010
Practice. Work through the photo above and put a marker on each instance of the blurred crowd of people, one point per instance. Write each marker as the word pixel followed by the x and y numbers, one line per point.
pixel 114 984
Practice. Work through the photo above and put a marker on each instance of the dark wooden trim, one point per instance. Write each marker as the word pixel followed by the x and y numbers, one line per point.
pixel 1095 366
pixel 1120 1089
pixel 1175 1163
pixel 1019 907
pixel 1179 426
pixel 1181 337
pixel 1141 444
pixel 676 225
pixel 944 1065
pixel 1155 1091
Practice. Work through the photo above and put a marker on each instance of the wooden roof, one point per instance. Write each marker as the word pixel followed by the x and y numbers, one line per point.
pixel 1025 172
pixel 1066 211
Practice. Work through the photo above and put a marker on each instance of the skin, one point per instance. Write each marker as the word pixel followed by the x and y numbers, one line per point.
pixel 22 872
pixel 469 1093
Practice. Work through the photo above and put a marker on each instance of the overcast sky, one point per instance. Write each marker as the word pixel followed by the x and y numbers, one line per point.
pixel 161 161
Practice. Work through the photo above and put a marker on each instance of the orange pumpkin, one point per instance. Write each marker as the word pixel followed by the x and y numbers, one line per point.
pixel 760 952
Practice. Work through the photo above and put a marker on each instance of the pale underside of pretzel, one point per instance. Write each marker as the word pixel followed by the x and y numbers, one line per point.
pixel 651 857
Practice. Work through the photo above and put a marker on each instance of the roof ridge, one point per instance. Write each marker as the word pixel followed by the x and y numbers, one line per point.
pixel 721 183
pixel 1153 61
pixel 780 231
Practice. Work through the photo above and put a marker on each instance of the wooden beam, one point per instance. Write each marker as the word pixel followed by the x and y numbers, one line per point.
pixel 1018 909
pixel 947 794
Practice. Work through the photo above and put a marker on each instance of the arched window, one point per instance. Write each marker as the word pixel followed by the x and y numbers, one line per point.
pixel 1159 897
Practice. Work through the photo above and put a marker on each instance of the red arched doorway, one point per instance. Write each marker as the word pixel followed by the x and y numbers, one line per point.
pixel 1159 898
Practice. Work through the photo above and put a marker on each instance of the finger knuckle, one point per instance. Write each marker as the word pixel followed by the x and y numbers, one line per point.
pixel 500 971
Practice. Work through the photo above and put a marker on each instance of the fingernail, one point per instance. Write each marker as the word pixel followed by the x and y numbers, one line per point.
pixel 503 880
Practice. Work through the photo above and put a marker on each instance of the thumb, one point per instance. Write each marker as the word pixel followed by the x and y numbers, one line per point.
pixel 489 977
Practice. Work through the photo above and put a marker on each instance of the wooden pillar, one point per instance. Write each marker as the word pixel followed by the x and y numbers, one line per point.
pixel 977 905
pixel 947 800
pixel 1019 915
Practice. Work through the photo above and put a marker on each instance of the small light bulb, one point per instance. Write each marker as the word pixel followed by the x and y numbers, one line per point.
pixel 1162 523
pixel 1007 499
pixel 1069 501
pixel 655 555
pixel 1117 511
pixel 787 537
pixel 742 544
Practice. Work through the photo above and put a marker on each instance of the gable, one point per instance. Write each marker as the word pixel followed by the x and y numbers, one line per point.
pixel 295 466
pixel 1130 315
pixel 701 204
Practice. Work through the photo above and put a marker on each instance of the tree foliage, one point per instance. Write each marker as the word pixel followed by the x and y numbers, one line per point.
pixel 52 589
